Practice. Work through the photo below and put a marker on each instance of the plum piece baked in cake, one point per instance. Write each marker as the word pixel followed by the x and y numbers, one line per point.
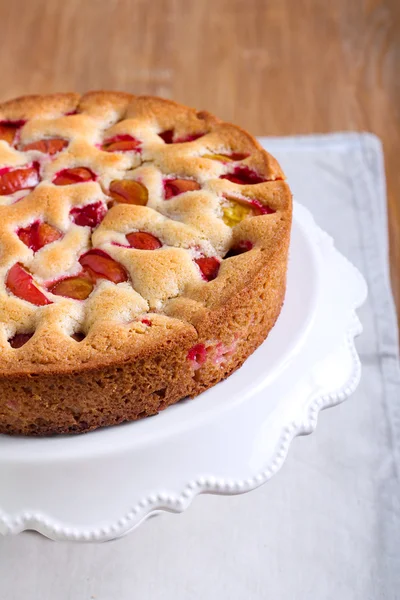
pixel 143 257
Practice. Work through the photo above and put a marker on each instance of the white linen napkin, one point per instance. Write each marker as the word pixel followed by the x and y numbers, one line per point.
pixel 328 525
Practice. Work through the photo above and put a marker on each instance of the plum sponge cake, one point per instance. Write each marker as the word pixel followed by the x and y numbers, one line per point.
pixel 143 257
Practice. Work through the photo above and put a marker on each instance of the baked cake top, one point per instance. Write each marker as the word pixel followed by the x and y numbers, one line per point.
pixel 120 216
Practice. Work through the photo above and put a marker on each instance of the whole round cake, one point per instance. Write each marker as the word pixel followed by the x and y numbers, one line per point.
pixel 143 257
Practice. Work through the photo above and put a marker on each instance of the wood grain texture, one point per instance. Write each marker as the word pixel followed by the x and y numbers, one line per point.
pixel 275 67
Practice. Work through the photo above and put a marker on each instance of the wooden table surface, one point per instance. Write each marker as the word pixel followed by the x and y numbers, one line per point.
pixel 276 67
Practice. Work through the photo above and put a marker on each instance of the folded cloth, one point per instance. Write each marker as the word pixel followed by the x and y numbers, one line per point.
pixel 328 525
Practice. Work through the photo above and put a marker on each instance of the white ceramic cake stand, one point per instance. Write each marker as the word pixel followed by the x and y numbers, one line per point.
pixel 229 440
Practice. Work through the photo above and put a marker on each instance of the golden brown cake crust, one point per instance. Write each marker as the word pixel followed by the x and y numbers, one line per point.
pixel 168 328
